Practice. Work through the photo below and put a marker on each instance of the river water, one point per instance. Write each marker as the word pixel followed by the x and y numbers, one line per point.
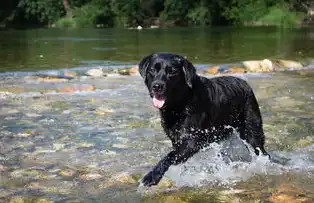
pixel 93 146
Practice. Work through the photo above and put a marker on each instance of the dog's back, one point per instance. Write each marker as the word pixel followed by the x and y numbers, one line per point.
pixel 224 99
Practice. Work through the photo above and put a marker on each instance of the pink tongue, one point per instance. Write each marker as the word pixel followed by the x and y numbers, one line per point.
pixel 158 103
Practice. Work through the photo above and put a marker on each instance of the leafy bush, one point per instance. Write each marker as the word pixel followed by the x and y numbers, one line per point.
pixel 90 15
pixel 245 11
pixel 66 22
pixel 42 11
pixel 199 16
pixel 261 12
pixel 280 16
pixel 126 13
pixel 176 11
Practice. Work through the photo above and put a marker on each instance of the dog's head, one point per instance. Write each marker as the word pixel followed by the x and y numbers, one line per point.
pixel 168 77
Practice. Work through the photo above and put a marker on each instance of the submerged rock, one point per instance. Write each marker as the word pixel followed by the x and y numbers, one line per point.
pixel 58 146
pixel 119 179
pixel 77 88
pixel 70 74
pixel 308 72
pixel 32 115
pixel 63 187
pixel 138 124
pixel 166 183
pixel 259 66
pixel 33 185
pixel 124 178
pixel 26 134
pixel 103 111
pixel 89 176
pixel 236 69
pixel 170 199
pixel 287 64
pixel 120 146
pixel 188 195
pixel 306 141
pixel 75 201
pixel 67 173
pixel 212 70
pixel 290 193
pixel 134 70
pixel 49 78
pixel 81 145
pixel 4 95
pixel 18 200
pixel 96 72
pixel 3 167
pixel 129 71
pixel 8 111
pixel 26 173
pixel 43 201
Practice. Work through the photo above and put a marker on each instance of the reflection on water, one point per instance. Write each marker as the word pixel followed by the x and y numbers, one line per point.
pixel 54 48
pixel 95 145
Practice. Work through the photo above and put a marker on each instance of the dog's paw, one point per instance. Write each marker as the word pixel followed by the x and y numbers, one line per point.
pixel 151 178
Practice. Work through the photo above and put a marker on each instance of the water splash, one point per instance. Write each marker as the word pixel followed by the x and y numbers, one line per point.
pixel 209 167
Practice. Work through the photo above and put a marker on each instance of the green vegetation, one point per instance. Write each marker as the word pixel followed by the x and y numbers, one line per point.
pixel 131 13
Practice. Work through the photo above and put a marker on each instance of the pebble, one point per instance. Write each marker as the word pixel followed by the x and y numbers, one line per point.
pixel 23 173
pixel 77 88
pixel 4 95
pixel 3 168
pixel 120 146
pixel 17 200
pixel 212 70
pixel 6 111
pixel 58 146
pixel 124 178
pixel 290 193
pixel 45 151
pixel 108 152
pixel 129 71
pixel 67 173
pixel 33 185
pixel 48 78
pixel 22 135
pixel 84 145
pixel 90 176
pixel 32 115
pixel 95 72
pixel 103 111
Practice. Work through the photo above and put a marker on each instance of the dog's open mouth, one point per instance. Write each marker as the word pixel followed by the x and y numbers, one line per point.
pixel 158 102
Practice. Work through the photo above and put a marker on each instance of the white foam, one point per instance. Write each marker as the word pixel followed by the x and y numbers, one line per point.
pixel 208 168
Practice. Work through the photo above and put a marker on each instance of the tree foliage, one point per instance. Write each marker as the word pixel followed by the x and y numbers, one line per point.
pixel 126 13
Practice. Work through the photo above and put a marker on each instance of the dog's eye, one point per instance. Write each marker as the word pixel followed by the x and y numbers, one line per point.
pixel 172 71
pixel 155 68
pixel 152 70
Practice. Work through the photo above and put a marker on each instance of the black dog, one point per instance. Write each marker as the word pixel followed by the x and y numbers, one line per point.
pixel 197 111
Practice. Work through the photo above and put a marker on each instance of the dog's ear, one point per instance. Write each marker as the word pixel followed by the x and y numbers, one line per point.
pixel 144 64
pixel 189 72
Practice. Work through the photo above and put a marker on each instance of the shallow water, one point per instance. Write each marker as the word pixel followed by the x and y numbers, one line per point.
pixel 114 130
pixel 94 145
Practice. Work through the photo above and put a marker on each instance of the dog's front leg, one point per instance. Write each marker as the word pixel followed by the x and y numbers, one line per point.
pixel 182 153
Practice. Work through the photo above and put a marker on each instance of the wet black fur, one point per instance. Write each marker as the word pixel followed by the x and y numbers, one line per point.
pixel 197 109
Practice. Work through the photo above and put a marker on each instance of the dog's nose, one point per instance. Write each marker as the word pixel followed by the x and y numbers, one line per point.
pixel 158 87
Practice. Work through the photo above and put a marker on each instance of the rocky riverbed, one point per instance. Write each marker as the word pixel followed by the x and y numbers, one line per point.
pixel 89 135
